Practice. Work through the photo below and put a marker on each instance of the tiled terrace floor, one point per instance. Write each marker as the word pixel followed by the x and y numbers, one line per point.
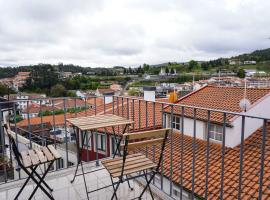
pixel 64 190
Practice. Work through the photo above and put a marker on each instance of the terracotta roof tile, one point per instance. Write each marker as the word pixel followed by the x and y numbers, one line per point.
pixel 219 98
pixel 251 166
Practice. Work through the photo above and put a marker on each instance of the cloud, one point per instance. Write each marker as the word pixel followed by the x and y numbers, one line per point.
pixel 127 32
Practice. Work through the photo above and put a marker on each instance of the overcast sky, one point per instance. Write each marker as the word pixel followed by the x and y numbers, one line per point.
pixel 129 32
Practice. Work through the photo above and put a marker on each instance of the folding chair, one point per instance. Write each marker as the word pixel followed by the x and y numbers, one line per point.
pixel 30 160
pixel 135 165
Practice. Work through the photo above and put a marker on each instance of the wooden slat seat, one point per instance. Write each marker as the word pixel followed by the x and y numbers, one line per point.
pixel 133 163
pixel 34 157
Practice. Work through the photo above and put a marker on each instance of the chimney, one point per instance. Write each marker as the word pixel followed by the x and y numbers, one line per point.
pixel 149 93
pixel 108 96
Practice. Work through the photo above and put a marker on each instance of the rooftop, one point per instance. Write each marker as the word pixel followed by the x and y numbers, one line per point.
pixel 219 98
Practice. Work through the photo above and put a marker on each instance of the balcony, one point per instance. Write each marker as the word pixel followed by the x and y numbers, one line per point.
pixel 232 162
pixel 63 189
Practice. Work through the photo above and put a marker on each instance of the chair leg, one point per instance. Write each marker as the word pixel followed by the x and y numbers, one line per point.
pixel 34 179
pixel 84 181
pixel 75 172
pixel 147 184
pixel 39 183
pixel 115 189
pixel 131 188
pixel 31 174
pixel 43 181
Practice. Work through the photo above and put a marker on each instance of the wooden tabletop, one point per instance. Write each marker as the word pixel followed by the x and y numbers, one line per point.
pixel 98 121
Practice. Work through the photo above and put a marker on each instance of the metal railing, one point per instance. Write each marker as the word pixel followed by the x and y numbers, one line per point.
pixel 187 169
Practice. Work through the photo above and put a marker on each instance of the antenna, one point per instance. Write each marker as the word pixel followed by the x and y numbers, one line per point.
pixel 244 103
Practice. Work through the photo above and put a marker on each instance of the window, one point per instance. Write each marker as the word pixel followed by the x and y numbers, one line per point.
pixel 87 141
pixel 176 123
pixel 114 145
pixel 215 133
pixel 101 142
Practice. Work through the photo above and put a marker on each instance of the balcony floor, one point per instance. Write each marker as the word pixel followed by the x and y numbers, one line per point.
pixel 64 190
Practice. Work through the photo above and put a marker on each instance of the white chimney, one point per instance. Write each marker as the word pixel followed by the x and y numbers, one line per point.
pixel 108 97
pixel 149 93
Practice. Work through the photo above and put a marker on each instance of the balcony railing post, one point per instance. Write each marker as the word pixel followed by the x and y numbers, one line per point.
pixel 54 127
pixel 65 123
pixel 2 145
pixel 194 150
pixel 207 153
pixel 117 102
pixel 128 108
pixel 95 99
pixel 41 123
pixel 139 113
pixel 171 150
pixel 241 157
pixel 133 114
pixel 113 105
pixel 85 106
pixel 97 159
pixel 146 114
pixel 28 120
pixel 182 151
pixel 262 158
pixel 154 115
pixel 122 106
pixel 75 105
pixel 104 105
pixel 223 155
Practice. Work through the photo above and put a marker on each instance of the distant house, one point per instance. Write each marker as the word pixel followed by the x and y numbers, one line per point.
pixel 65 75
pixel 220 98
pixel 254 72
pixel 235 62
pixel 250 62
pixel 23 98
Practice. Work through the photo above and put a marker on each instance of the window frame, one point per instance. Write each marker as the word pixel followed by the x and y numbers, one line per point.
pixel 176 122
pixel 215 132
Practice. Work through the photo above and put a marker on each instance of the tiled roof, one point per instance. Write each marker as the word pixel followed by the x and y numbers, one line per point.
pixel 36 108
pixel 219 98
pixel 251 166
pixel 69 103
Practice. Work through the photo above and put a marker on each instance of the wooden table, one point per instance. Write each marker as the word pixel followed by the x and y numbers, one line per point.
pixel 91 123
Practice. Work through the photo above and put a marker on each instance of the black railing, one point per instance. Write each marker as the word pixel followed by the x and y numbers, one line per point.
pixel 187 169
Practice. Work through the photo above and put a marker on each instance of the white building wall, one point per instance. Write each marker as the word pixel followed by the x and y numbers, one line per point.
pixel 261 109
pixel 233 134
pixel 189 126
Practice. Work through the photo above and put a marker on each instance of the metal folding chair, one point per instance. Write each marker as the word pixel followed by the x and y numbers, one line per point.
pixel 132 166
pixel 30 160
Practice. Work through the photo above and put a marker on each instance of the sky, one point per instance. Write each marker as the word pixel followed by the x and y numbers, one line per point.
pixel 106 33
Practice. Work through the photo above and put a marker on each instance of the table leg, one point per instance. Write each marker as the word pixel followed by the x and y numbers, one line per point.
pixel 79 153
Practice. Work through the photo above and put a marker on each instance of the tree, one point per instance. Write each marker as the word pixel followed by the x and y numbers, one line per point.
pixel 193 65
pixel 133 92
pixel 167 70
pixel 3 90
pixel 146 67
pixel 172 71
pixel 241 73
pixel 58 91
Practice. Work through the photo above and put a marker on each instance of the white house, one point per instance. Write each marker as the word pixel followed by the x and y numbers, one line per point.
pixel 221 98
